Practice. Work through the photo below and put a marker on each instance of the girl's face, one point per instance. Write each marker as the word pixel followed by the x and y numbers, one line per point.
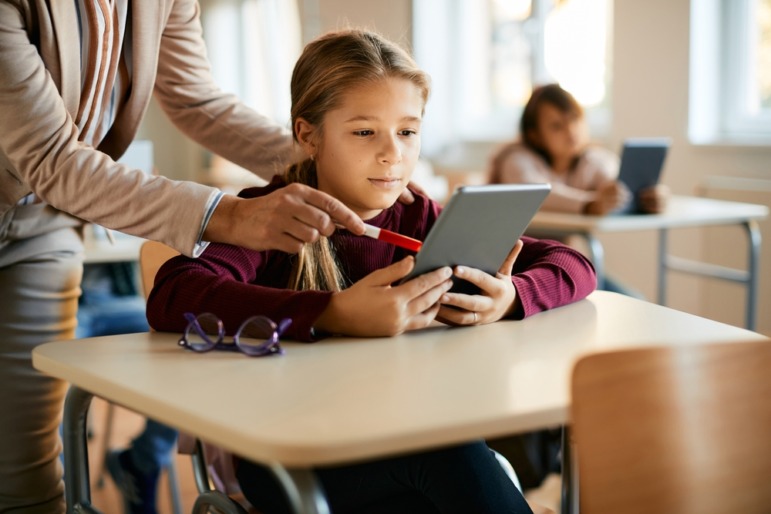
pixel 563 135
pixel 370 145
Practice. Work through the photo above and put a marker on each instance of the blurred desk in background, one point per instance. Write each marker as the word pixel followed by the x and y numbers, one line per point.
pixel 681 212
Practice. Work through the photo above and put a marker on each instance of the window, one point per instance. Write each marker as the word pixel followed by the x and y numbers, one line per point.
pixel 730 71
pixel 485 56
pixel 253 45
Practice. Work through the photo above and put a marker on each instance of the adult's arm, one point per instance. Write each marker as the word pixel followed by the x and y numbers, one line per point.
pixel 40 152
pixel 185 89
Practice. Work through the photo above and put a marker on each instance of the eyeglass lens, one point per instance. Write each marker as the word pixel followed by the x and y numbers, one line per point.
pixel 204 332
pixel 258 335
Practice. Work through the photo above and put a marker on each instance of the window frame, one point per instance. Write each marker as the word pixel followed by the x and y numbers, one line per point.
pixel 721 64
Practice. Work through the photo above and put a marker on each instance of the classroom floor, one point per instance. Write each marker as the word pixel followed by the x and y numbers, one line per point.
pixel 127 424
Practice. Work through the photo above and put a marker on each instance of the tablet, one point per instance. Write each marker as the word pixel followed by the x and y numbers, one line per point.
pixel 478 228
pixel 641 162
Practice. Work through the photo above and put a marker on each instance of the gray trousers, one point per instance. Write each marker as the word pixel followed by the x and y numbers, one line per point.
pixel 41 264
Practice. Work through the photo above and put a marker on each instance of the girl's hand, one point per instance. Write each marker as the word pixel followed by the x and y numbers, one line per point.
pixel 375 307
pixel 654 199
pixel 609 197
pixel 497 299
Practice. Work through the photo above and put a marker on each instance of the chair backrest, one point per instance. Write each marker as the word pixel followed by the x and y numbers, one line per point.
pixel 152 255
pixel 212 467
pixel 674 430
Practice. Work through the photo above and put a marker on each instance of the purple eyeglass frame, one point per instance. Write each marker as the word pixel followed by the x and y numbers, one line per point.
pixel 271 345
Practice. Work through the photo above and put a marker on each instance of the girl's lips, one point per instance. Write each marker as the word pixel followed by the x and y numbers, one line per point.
pixel 385 183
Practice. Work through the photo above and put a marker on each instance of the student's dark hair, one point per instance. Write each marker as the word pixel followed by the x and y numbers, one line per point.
pixel 554 95
pixel 329 67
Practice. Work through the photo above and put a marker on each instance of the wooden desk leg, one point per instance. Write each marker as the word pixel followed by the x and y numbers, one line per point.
pixel 76 477
pixel 303 489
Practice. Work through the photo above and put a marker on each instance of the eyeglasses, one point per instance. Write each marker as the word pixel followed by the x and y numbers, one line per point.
pixel 257 336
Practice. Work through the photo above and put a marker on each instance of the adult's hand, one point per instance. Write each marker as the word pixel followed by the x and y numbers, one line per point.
pixel 282 220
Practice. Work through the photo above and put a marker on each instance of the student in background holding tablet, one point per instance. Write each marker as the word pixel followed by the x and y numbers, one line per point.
pixel 357 106
pixel 554 147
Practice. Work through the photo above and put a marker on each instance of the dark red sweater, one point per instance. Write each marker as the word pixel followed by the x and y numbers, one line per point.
pixel 235 283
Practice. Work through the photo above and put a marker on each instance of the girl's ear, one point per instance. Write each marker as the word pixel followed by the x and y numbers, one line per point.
pixel 306 136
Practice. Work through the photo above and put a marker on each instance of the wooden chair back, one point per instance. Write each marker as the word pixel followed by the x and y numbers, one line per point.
pixel 152 255
pixel 683 430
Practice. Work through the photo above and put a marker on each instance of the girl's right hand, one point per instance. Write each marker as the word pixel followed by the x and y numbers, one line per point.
pixel 374 307
pixel 609 197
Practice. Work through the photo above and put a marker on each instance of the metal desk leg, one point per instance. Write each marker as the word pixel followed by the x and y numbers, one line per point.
pixel 662 289
pixel 77 488
pixel 753 234
pixel 569 499
pixel 303 489
pixel 597 256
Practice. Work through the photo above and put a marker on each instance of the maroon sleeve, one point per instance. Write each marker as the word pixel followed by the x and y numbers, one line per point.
pixel 221 282
pixel 549 274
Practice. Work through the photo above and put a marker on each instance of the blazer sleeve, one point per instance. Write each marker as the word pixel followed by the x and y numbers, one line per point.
pixel 41 153
pixel 186 91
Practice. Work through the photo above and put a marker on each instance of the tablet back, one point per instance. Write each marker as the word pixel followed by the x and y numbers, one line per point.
pixel 479 226
pixel 641 162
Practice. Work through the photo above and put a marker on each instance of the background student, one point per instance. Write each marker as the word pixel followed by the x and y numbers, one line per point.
pixel 70 107
pixel 554 147
pixel 357 105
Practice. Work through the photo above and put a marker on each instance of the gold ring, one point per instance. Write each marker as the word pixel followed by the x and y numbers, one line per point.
pixel 475 317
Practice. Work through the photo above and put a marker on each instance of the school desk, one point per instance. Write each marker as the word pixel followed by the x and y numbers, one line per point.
pixel 681 212
pixel 344 400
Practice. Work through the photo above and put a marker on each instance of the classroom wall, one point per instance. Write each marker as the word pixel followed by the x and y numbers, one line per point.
pixel 650 97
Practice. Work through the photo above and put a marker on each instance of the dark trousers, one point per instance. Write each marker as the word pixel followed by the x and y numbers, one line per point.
pixel 460 479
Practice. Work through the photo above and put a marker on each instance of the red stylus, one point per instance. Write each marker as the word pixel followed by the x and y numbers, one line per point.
pixel 393 238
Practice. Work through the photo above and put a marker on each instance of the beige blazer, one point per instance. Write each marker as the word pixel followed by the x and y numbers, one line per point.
pixel 40 93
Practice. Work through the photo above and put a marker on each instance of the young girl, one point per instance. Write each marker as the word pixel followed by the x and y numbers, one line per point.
pixel 554 147
pixel 357 105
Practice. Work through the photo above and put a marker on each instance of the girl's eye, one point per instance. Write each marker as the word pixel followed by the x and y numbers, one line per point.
pixel 364 133
pixel 408 132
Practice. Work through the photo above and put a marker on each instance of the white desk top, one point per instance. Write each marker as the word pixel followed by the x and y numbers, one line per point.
pixel 682 211
pixel 341 400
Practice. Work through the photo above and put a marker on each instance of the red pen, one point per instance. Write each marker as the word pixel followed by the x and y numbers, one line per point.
pixel 393 238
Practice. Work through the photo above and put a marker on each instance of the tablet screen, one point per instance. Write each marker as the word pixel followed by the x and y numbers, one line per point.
pixel 479 227
pixel 641 162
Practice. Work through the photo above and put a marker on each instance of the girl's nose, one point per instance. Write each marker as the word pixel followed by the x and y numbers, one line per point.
pixel 390 153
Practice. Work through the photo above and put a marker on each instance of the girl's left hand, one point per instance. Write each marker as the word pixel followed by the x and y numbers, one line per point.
pixel 497 297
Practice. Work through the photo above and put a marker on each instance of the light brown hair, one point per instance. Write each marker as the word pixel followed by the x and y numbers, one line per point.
pixel 329 67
